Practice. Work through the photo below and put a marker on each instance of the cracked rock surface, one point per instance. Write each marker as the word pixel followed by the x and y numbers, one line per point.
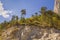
pixel 30 33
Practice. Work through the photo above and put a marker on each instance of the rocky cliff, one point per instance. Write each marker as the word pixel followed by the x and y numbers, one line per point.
pixel 29 32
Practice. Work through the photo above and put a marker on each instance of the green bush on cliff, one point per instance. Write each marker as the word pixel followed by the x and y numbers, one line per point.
pixel 47 18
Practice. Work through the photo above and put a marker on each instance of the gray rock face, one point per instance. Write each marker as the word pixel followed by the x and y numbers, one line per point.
pixel 30 33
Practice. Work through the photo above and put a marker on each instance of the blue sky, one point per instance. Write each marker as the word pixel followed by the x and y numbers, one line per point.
pixel 13 7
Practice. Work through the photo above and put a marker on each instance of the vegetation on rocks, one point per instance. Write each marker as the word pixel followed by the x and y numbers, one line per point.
pixel 43 18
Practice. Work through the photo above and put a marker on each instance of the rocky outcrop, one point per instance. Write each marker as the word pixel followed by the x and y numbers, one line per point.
pixel 30 33
pixel 57 6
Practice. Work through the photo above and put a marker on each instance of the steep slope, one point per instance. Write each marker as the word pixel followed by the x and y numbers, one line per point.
pixel 30 32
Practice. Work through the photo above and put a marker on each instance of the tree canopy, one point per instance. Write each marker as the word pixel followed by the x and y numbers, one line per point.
pixel 47 18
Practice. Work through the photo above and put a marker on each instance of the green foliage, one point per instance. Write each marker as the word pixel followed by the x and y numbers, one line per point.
pixel 0 27
pixel 47 18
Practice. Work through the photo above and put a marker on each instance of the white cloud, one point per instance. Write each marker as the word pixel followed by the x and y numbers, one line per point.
pixel 4 13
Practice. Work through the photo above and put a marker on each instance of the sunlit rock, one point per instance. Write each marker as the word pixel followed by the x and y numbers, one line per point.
pixel 31 33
